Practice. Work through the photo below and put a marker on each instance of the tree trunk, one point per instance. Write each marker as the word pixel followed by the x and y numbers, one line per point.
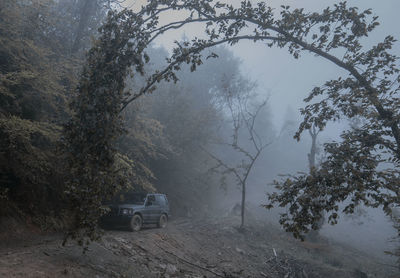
pixel 86 13
pixel 313 234
pixel 313 151
pixel 243 203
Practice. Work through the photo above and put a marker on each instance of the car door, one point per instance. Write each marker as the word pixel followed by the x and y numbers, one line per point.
pixel 148 210
pixel 160 204
pixel 162 201
pixel 153 208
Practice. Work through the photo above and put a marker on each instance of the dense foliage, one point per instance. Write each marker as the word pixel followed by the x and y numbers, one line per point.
pixel 34 83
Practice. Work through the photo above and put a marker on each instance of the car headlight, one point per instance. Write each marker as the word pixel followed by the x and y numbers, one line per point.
pixel 126 211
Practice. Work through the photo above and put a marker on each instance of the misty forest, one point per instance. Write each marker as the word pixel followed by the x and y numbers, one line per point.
pixel 199 138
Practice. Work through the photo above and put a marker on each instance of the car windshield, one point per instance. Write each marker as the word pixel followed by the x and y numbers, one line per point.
pixel 130 198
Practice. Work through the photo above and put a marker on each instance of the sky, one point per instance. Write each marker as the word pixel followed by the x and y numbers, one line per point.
pixel 277 73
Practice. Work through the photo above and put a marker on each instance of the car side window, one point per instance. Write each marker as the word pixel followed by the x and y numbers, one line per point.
pixel 160 200
pixel 156 201
pixel 152 199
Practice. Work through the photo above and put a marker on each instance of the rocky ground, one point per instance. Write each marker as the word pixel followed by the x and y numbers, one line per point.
pixel 188 248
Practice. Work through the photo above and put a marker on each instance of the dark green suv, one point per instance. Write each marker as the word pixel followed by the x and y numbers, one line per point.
pixel 137 209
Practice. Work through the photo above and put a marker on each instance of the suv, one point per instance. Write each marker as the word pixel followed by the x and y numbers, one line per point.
pixel 137 209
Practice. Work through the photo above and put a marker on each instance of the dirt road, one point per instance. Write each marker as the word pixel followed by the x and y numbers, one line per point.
pixel 189 248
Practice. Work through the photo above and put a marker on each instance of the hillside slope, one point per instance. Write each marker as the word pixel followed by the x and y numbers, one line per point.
pixel 188 248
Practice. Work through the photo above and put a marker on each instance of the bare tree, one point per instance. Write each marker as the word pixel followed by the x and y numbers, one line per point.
pixel 243 119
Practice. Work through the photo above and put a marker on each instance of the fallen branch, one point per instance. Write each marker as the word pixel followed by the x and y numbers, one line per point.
pixel 276 256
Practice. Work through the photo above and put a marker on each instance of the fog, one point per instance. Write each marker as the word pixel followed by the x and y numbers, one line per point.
pixel 221 135
pixel 286 82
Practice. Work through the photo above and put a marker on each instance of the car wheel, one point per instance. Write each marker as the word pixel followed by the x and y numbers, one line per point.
pixel 162 222
pixel 136 223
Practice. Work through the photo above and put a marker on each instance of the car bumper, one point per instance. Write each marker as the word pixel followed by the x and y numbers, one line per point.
pixel 116 220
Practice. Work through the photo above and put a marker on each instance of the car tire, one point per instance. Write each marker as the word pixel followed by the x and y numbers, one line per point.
pixel 162 222
pixel 136 223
